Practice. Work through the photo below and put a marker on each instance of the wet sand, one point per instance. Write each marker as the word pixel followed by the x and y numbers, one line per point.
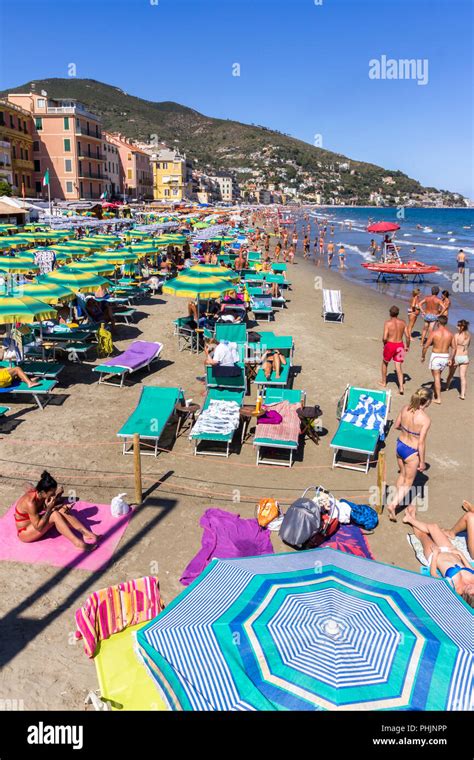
pixel 77 442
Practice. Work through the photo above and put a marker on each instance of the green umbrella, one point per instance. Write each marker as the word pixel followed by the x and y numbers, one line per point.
pixel 91 265
pixel 46 292
pixel 78 282
pixel 24 309
pixel 120 256
pixel 198 286
pixel 17 264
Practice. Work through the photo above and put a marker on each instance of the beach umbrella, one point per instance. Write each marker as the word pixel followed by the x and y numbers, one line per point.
pixel 78 282
pixel 383 227
pixel 205 286
pixel 91 264
pixel 313 630
pixel 60 256
pixel 17 264
pixel 216 271
pixel 71 249
pixel 24 309
pixel 42 291
pixel 119 256
pixel 14 241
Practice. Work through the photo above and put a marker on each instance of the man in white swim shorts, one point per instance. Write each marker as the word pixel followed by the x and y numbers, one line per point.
pixel 442 344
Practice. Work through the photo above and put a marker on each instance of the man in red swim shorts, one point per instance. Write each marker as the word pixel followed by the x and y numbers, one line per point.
pixel 394 332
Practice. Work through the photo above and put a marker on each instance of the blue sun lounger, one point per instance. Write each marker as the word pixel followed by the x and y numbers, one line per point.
pixel 153 412
pixel 215 394
pixel 41 392
pixel 357 443
pixel 275 396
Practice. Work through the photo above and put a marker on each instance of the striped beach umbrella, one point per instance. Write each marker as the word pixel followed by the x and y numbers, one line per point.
pixel 24 310
pixel 313 630
pixel 42 291
pixel 216 271
pixel 92 264
pixel 198 286
pixel 71 249
pixel 17 264
pixel 120 256
pixel 78 282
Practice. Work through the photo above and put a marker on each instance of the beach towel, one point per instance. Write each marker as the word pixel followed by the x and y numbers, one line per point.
pixel 226 536
pixel 221 417
pixel 368 414
pixel 459 543
pixel 289 427
pixel 139 354
pixel 113 609
pixel 349 539
pixel 55 550
pixel 270 417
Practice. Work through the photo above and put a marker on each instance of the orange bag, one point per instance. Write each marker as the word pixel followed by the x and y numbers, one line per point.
pixel 267 510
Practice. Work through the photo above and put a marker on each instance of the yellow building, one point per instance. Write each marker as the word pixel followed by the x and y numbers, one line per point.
pixel 16 129
pixel 170 175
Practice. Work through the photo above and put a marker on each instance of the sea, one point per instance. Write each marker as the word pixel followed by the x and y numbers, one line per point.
pixel 430 235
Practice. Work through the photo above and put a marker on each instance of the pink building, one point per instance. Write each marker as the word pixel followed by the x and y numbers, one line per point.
pixel 67 141
pixel 136 170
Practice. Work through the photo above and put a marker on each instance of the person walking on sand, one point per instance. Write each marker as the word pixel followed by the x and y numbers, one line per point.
pixel 431 307
pixel 321 245
pixel 413 310
pixel 291 254
pixel 330 250
pixel 414 424
pixel 306 247
pixel 394 332
pixel 442 345
pixel 342 257
pixel 460 357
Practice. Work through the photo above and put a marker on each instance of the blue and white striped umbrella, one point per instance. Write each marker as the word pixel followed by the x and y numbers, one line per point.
pixel 315 630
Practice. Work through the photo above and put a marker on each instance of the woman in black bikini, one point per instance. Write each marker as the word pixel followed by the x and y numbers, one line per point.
pixel 42 507
pixel 414 310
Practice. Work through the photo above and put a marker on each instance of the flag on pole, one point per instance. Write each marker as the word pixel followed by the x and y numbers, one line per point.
pixel 46 178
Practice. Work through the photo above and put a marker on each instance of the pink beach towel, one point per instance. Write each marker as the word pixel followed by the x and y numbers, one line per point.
pixel 53 549
pixel 289 427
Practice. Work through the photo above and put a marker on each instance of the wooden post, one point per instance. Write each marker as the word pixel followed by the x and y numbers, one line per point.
pixel 381 471
pixel 137 468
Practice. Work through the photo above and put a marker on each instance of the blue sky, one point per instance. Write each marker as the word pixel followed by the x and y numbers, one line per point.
pixel 303 68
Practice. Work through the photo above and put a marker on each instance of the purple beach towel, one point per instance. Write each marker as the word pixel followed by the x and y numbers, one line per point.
pixel 226 536
pixel 271 417
pixel 138 354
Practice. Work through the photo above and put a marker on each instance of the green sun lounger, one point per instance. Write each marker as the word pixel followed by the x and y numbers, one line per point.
pixel 215 394
pixel 270 341
pixel 50 370
pixel 357 444
pixel 41 392
pixel 237 383
pixel 149 419
pixel 275 396
pixel 261 306
pixel 4 410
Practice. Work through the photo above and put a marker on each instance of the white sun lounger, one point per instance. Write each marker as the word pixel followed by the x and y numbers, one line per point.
pixel 332 306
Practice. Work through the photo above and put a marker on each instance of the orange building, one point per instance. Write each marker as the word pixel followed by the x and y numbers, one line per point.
pixel 16 129
pixel 67 140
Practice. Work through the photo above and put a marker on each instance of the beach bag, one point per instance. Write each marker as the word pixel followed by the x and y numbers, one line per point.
pixel 267 511
pixel 270 417
pixel 301 521
pixel 105 343
pixel 119 507
pixel 363 516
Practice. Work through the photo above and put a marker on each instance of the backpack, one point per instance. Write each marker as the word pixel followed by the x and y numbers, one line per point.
pixel 363 516
pixel 305 519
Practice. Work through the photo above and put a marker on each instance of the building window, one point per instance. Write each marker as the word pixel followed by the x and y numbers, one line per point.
pixel 38 187
pixel 11 122
pixel 90 189
pixel 36 146
pixel 16 180
pixel 129 156
pixel 27 158
pixel 67 145
pixel 165 164
pixel 13 151
pixel 28 181
pixel 67 165
pixel 41 102
pixel 129 174
pixel 82 191
pixel 79 149
pixel 21 153
pixel 37 165
pixel 66 123
pixel 2 119
pixel 69 187
pixel 38 123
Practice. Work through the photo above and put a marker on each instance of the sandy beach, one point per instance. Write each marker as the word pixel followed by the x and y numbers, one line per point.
pixel 75 439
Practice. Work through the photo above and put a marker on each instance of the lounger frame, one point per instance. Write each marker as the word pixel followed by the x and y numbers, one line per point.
pixel 106 376
pixel 273 396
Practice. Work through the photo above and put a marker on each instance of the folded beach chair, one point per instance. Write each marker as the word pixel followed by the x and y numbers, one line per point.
pixel 154 411
pixel 139 354
pixel 269 341
pixel 214 437
pixel 41 393
pixel 282 438
pixel 186 333
pixel 261 307
pixel 50 370
pixel 332 306
pixel 356 443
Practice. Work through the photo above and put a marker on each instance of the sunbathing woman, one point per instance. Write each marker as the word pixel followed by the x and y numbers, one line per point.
pixel 442 555
pixel 272 361
pixel 414 423
pixel 42 507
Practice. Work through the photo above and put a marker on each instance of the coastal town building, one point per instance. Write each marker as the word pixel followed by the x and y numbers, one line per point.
pixel 172 175
pixel 16 131
pixel 227 187
pixel 67 143
pixel 135 168
pixel 113 168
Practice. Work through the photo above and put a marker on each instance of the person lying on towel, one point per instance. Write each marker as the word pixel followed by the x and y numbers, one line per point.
pixel 43 507
pixel 272 361
pixel 223 357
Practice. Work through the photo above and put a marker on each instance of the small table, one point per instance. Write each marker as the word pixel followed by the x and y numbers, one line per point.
pixel 307 415
pixel 186 416
pixel 247 413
